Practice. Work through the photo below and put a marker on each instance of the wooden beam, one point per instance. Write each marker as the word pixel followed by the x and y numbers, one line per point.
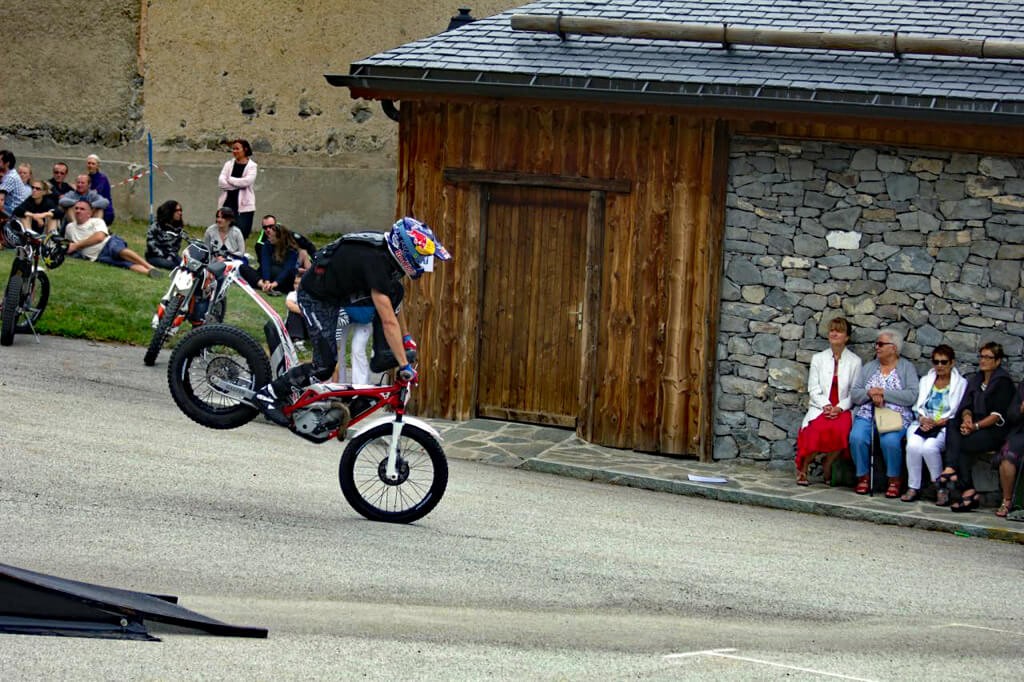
pixel 726 35
pixel 470 175
pixel 591 315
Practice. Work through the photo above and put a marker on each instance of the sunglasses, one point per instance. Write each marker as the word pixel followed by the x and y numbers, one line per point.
pixel 881 344
pixel 34 187
pixel 940 363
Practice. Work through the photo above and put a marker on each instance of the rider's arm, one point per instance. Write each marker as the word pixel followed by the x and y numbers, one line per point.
pixel 390 324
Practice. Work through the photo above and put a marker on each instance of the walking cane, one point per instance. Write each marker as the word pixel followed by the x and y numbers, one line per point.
pixel 871 455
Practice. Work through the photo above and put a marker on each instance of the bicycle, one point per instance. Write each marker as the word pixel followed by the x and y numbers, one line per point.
pixel 28 286
pixel 394 467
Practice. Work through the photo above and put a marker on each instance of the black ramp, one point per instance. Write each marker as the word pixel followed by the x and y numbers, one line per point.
pixel 37 603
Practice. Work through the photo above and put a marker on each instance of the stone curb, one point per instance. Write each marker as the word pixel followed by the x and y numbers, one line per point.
pixel 725 493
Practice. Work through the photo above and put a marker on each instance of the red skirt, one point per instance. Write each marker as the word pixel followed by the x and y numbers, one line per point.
pixel 824 435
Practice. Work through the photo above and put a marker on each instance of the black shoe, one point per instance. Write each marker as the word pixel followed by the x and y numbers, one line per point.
pixel 270 407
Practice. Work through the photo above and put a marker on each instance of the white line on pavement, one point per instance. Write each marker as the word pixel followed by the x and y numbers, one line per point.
pixel 725 653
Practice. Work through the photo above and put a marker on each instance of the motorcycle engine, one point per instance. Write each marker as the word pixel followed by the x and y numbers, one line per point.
pixel 318 420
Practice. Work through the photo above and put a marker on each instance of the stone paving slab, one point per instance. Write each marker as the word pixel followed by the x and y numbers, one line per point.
pixel 560 452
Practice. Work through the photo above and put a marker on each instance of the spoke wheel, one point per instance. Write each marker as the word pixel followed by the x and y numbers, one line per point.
pixel 35 294
pixel 422 474
pixel 207 360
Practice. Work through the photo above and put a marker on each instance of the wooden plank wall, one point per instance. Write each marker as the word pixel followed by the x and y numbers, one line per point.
pixel 660 270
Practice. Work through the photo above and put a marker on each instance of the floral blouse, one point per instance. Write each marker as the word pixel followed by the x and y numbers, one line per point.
pixel 889 383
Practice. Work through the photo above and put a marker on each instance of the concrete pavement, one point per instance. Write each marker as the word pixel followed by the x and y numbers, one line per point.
pixel 560 452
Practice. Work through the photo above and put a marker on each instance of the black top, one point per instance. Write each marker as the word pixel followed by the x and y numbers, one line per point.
pixel 48 203
pixel 354 270
pixel 231 200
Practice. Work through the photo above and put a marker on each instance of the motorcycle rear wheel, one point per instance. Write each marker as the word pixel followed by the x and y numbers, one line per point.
pixel 422 474
pixel 224 353
pixel 163 330
pixel 34 298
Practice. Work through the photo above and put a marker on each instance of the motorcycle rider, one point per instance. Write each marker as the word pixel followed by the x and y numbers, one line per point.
pixel 354 267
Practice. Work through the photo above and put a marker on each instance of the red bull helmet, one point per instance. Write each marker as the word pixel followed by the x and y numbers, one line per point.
pixel 414 246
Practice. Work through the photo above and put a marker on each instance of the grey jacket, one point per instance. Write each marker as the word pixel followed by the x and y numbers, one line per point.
pixel 906 396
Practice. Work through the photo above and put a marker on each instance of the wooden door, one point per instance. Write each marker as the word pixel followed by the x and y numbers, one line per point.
pixel 532 316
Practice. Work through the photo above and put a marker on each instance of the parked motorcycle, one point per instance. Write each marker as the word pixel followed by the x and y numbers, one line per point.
pixel 28 286
pixel 198 292
pixel 393 468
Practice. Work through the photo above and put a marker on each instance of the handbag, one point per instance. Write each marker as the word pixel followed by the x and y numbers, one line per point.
pixel 887 420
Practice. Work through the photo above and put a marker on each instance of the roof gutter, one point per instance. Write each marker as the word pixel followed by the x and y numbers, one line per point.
pixel 395 83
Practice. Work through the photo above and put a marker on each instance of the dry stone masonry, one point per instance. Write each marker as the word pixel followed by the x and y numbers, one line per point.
pixel 928 242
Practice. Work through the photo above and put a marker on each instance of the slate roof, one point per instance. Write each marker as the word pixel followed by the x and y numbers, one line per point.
pixel 489 58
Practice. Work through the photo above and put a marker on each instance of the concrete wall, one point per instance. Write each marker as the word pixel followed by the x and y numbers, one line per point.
pixel 196 74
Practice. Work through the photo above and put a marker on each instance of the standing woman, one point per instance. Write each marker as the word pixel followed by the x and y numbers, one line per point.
pixel 941 391
pixel 99 182
pixel 887 381
pixel 826 426
pixel 979 426
pixel 236 185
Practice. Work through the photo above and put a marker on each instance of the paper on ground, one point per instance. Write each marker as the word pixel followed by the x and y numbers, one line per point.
pixel 707 479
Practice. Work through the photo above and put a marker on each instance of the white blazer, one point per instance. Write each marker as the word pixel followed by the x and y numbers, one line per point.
pixel 957 388
pixel 819 381
pixel 246 196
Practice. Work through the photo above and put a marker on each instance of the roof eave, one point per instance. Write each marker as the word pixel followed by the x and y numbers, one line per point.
pixel 397 83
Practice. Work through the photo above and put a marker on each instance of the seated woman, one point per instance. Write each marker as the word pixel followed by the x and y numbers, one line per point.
pixel 1007 460
pixel 39 212
pixel 163 238
pixel 279 260
pixel 887 381
pixel 826 426
pixel 940 393
pixel 978 426
pixel 224 239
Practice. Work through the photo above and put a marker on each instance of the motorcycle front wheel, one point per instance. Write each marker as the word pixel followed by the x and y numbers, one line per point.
pixel 35 294
pixel 163 329
pixel 9 314
pixel 204 368
pixel 422 474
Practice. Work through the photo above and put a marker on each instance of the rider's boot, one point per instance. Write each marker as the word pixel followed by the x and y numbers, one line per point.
pixel 271 406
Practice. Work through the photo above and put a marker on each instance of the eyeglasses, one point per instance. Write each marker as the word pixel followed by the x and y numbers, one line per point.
pixel 880 344
pixel 940 363
pixel 982 356
pixel 270 227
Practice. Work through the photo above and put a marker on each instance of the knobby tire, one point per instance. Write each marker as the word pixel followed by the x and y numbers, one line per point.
pixel 225 352
pixel 33 302
pixel 9 314
pixel 163 330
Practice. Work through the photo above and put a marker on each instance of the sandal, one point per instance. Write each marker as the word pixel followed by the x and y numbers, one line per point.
pixel 862 486
pixel 801 478
pixel 968 502
pixel 912 495
pixel 894 488
pixel 1004 509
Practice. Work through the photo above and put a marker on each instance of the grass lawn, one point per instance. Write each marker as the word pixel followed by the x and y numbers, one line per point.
pixel 100 302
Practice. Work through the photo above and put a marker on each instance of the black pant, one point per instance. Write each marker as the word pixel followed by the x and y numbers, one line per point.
pixel 960 449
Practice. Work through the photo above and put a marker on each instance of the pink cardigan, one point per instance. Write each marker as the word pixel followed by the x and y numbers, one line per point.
pixel 246 197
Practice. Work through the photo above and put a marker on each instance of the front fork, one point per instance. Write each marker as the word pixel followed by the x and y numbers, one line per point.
pixel 391 470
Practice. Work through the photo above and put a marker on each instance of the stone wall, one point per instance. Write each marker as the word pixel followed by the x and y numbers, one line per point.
pixel 196 74
pixel 928 242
